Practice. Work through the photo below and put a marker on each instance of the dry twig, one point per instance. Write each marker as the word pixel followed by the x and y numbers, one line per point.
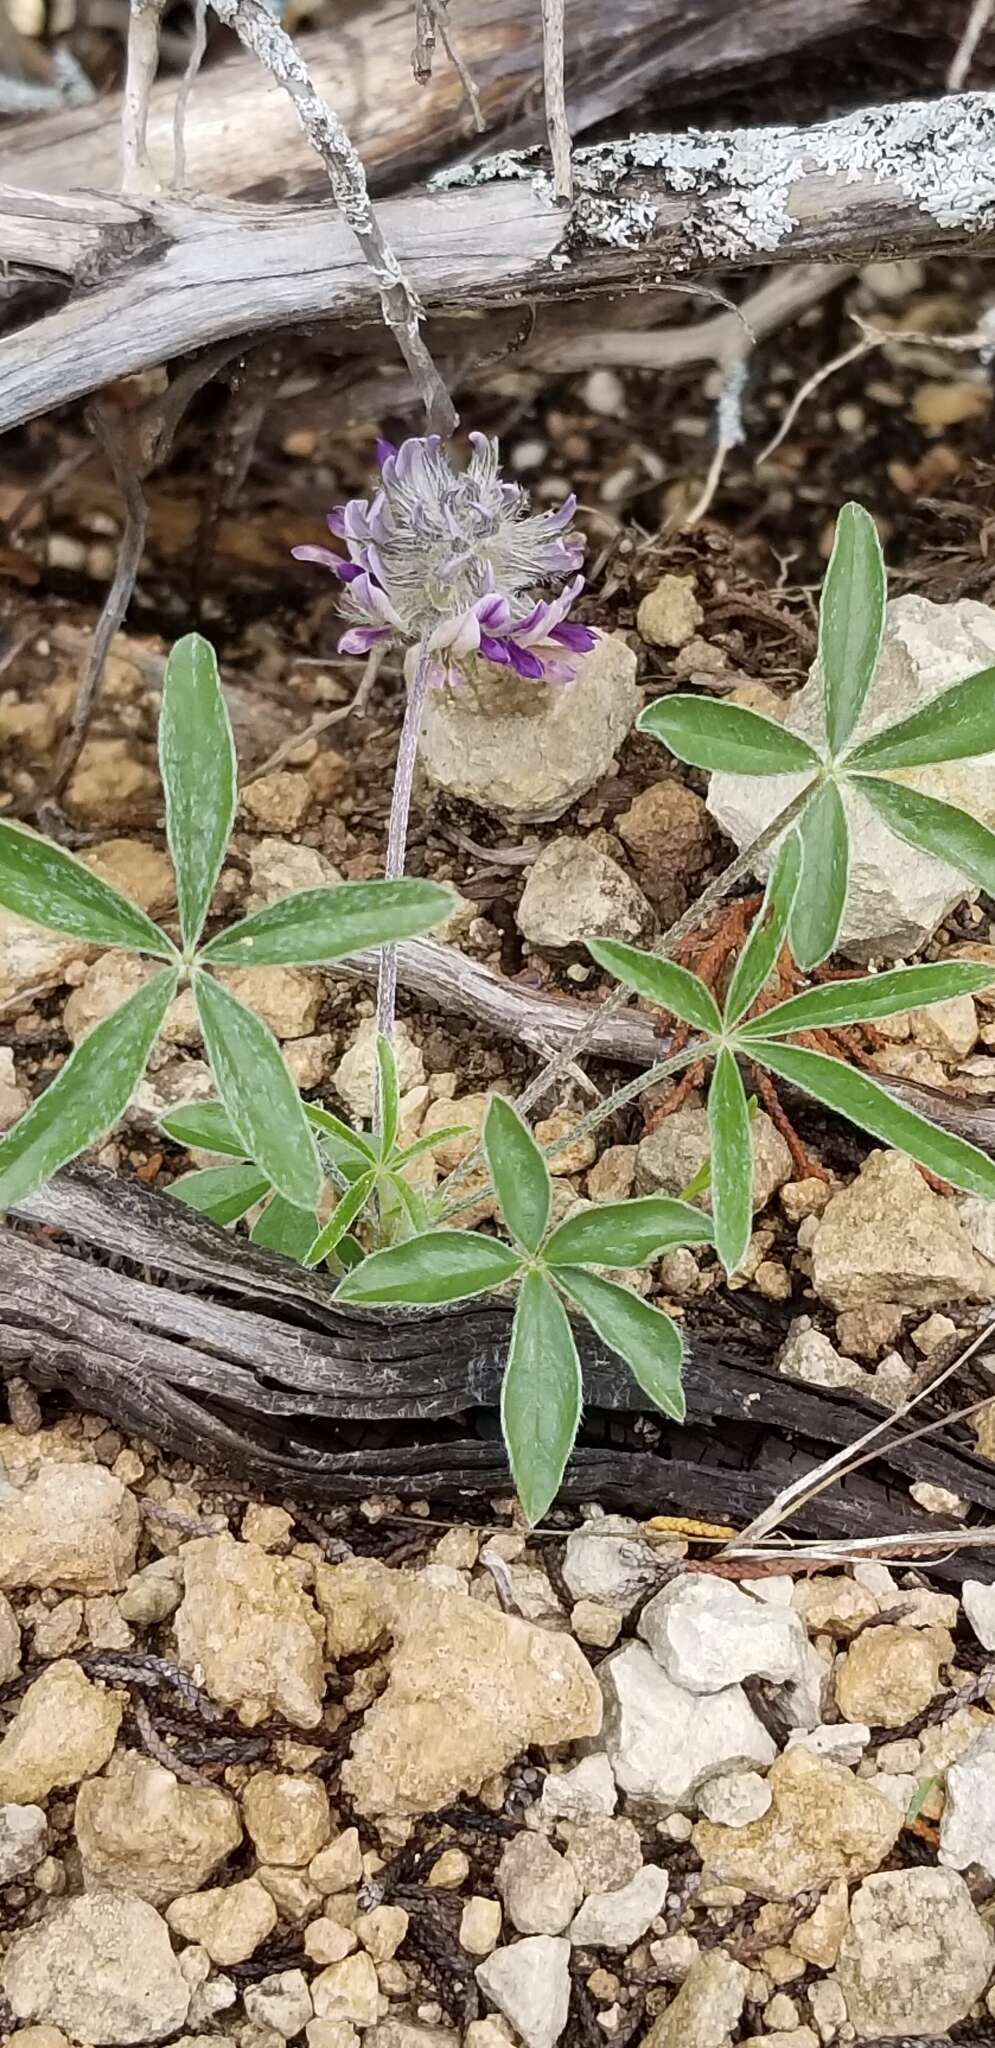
pixel 554 90
pixel 137 174
pixel 185 88
pixel 974 28
pixel 400 306
pixel 431 19
pixel 356 708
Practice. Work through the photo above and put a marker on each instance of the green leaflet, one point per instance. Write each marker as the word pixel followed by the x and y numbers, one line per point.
pixel 197 765
pixel 540 1396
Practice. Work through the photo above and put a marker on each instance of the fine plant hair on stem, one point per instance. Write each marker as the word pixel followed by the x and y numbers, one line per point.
pixel 397 829
pixel 401 308
pixel 554 90
pixel 143 56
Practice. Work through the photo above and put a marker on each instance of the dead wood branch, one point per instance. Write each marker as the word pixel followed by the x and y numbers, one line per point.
pixel 164 278
pixel 400 306
pixel 240 139
pixel 554 93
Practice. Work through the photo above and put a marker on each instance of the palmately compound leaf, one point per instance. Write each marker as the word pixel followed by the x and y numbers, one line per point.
pixel 42 883
pixel 953 726
pixel 659 981
pixel 820 900
pixel 540 1396
pixel 645 1337
pixel 318 925
pixel 258 1091
pixel 519 1173
pixel 728 738
pixel 197 766
pixel 933 827
pixel 222 1193
pixel 89 1093
pixel 202 1127
pixel 441 1266
pixel 851 621
pixel 869 996
pixel 867 1104
pixel 732 1162
pixel 768 932
pixel 626 1233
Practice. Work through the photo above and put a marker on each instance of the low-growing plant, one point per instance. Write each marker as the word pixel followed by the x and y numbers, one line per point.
pixel 958 723
pixel 42 882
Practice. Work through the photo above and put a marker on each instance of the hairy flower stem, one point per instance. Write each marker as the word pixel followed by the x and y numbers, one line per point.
pixel 397 833
pixel 556 1068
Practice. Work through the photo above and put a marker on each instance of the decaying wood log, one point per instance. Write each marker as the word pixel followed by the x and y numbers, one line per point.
pixel 162 278
pixel 242 1362
pixel 241 137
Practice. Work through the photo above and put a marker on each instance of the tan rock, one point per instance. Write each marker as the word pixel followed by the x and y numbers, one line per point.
pixel 867 1331
pixel 949 1029
pixel 539 1889
pixel 102 1968
pixel 139 1830
pixel 64 1729
pixel 670 614
pixel 611 1177
pixel 357 1598
pixel 230 1921
pixel 915 1956
pixel 449 1871
pixel 111 781
pixel 604 1854
pixel 355 1075
pixel 296 1899
pixel 575 891
pixel 339 1865
pixel 108 982
pixel 288 1817
pixel 480 1926
pixel 706 2008
pixel 38 2037
pixel 889 1237
pixel 348 1991
pixel 331 2034
pixel 327 1941
pixel 817 1939
pixel 245 1624
pixel 671 839
pixel 671 1155
pixel 15 1096
pixel 823 1824
pixel 382 1931
pixel 72 1526
pixel 10 1641
pixel 834 1605
pixel 280 801
pixel 570 1156
pixel 517 1685
pixel 279 868
pixel 888 1676
pixel 288 999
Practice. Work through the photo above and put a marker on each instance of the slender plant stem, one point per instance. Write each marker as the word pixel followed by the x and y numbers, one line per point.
pixel 397 831
pixel 560 1064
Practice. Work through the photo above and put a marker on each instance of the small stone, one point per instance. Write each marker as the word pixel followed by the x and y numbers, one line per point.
pixel 326 1941
pixel 618 1919
pixel 808 1355
pixel 664 1742
pixel 348 1991
pixel 280 801
pixel 331 2034
pixel 449 1870
pixel 64 1729
pixel 707 1634
pixel 287 1817
pixel 979 1606
pixel 569 1157
pixel 735 1799
pixel 585 1793
pixel 296 1899
pixel 889 1237
pixel 867 1331
pixel 791 2037
pixel 229 1921
pixel 670 614
pixel 355 1075
pixel 611 1177
pixel 817 1939
pixel 801 1198
pixel 23 1831
pixel 576 892
pixel 339 1865
pixel 282 2002
pixel 888 1675
pixel 938 1500
pixel 967 1829
pixel 480 1926
pixel 674 1955
pixel 604 1854
pixel 599 1626
pixel 707 2007
pixel 609 1562
pixel 670 1156
pixel 15 1098
pixel 531 749
pixel 841 1742
pixel 530 1984
pixel 487 2033
pixel 828 2008
pixel 71 1526
pixel 10 1641
pixel 251 1632
pixel 153 1594
pixel 949 1029
pixel 139 1830
pixel 823 1824
pixel 936 1330
pixel 915 1956
pixel 102 1968
pixel 279 868
pixel 670 839
pixel 382 1931
pixel 835 1605
pixel 538 1887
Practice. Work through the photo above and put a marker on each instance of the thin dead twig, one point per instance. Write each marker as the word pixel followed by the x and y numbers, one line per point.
pixel 979 337
pixel 356 708
pixel 184 90
pixel 400 306
pixel 144 18
pixel 554 91
pixel 974 28
pixel 432 19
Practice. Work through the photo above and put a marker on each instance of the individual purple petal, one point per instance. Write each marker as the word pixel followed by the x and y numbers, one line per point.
pixel 495 650
pixel 579 639
pixel 359 639
pixel 559 671
pixel 335 521
pixel 325 557
pixel 383 449
pixel 524 662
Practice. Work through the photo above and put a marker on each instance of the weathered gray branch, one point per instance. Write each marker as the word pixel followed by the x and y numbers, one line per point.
pixel 164 278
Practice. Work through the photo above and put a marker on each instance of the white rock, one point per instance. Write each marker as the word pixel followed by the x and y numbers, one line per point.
pixel 10 1641
pixel 670 1156
pixel 355 1075
pixel 897 895
pixel 916 1954
pixel 574 892
pixel 707 1634
pixel 22 1840
pixel 807 1354
pixel 527 748
pixel 537 1885
pixel 662 1741
pixel 610 1562
pixel 103 1969
pixel 889 1237
pixel 734 1799
pixel 979 1606
pixel 585 1793
pixel 282 2002
pixel 707 2007
pixel 529 1982
pixel 843 1742
pixel 619 1919
pixel 967 1829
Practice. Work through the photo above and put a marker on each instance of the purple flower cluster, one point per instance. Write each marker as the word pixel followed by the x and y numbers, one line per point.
pixel 445 558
